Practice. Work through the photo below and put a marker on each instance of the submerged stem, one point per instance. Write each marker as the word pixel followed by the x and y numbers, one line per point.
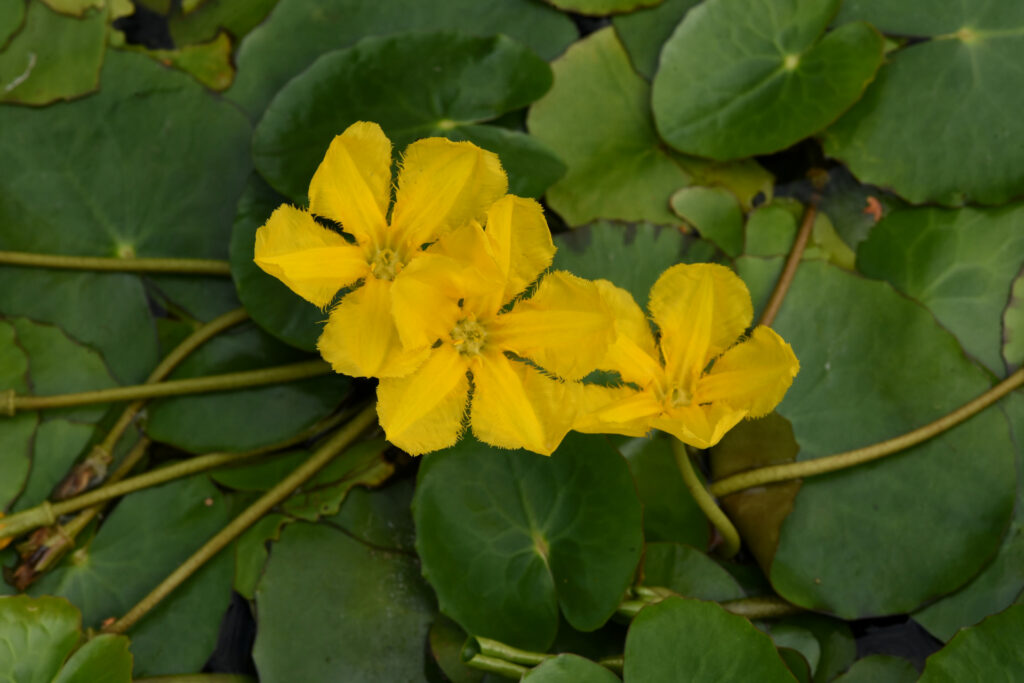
pixel 336 443
pixel 832 463
pixel 707 504
pixel 180 266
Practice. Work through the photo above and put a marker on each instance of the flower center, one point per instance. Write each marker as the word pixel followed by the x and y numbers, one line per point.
pixel 680 398
pixel 468 336
pixel 385 264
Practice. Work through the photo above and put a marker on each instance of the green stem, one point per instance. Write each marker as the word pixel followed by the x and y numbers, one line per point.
pixel 832 463
pixel 730 537
pixel 181 266
pixel 613 663
pixel 336 443
pixel 497 666
pixel 492 648
pixel 796 253
pixel 765 607
pixel 195 385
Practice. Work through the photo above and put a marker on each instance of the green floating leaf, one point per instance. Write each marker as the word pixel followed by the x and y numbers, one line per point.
pixel 960 264
pixel 630 256
pixel 737 79
pixel 715 213
pixel 270 55
pixel 836 646
pixel 689 572
pixel 771 229
pixel 601 7
pixel 701 639
pixel 360 465
pixel 446 640
pixel 12 17
pixel 670 512
pixel 368 622
pixel 75 8
pixel 1013 326
pixel 38 448
pixel 506 537
pixel 63 190
pixel 875 365
pixel 39 634
pixel 103 659
pixel 801 641
pixel 569 668
pixel 208 62
pixel 396 81
pixel 53 57
pixel 963 151
pixel 880 669
pixel 143 540
pixel 986 652
pixel 645 31
pixel 204 22
pixel 243 419
pixel 1002 581
pixel 270 303
pixel 617 166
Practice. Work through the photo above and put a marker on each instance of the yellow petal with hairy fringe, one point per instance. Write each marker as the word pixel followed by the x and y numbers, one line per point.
pixel 443 185
pixel 311 260
pixel 360 338
pixel 564 327
pixel 424 299
pixel 751 376
pixel 699 426
pixel 474 268
pixel 701 310
pixel 424 411
pixel 352 185
pixel 634 354
pixel 515 406
pixel 521 242
pixel 594 399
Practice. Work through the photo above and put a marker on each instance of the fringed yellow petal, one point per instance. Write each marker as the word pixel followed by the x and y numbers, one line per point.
pixel 752 376
pixel 565 327
pixel 598 403
pixel 701 310
pixel 353 183
pixel 474 267
pixel 634 354
pixel 443 185
pixel 313 261
pixel 424 411
pixel 424 299
pixel 521 242
pixel 515 406
pixel 360 338
pixel 701 426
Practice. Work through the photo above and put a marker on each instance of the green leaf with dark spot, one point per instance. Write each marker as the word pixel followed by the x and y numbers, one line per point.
pixel 270 55
pixel 689 572
pixel 569 668
pixel 737 79
pixel 414 85
pixel 987 652
pixel 701 639
pixel 880 669
pixel 506 537
pixel 716 215
pixel 960 264
pixel 245 418
pixel 644 31
pixel 964 151
pixel 38 634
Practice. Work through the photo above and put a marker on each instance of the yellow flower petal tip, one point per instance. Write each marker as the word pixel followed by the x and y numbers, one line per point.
pixel 707 376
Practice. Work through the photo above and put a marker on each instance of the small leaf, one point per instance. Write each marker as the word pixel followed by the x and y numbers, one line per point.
pixel 569 668
pixel 103 659
pixel 716 215
pixel 39 634
pixel 880 669
pixel 988 651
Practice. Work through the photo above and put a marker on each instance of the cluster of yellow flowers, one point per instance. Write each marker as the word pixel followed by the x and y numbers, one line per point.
pixel 442 303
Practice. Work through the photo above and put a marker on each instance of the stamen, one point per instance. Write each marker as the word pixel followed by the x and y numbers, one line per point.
pixel 468 336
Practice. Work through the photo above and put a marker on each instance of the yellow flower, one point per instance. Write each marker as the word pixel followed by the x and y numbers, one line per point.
pixel 457 294
pixel 443 185
pixel 702 382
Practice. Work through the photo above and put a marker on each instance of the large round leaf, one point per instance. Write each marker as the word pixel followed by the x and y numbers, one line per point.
pixel 989 651
pixel 299 31
pixel 371 612
pixel 738 79
pixel 875 365
pixel 506 537
pixel 103 176
pixel 38 633
pixel 967 79
pixel 680 639
pixel 414 85
pixel 960 264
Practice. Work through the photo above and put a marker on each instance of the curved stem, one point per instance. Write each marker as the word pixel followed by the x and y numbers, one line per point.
pixel 195 385
pixel 183 266
pixel 497 666
pixel 493 648
pixel 832 463
pixel 336 443
pixel 796 253
pixel 708 505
